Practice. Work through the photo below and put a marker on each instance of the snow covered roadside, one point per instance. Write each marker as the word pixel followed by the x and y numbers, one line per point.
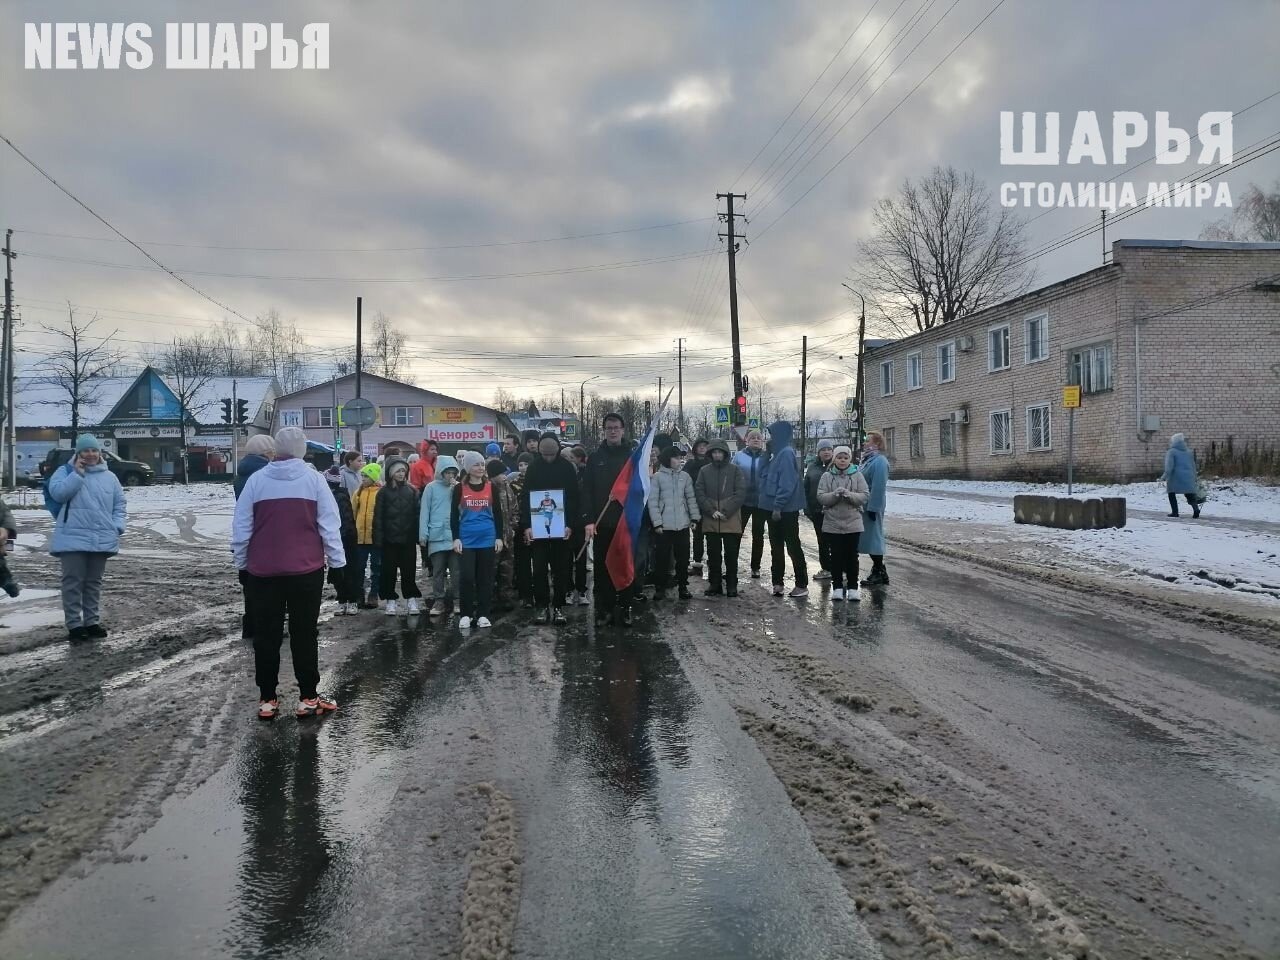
pixel 1231 499
pixel 1184 556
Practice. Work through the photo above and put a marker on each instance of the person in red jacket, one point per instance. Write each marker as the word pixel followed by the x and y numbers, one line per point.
pixel 423 470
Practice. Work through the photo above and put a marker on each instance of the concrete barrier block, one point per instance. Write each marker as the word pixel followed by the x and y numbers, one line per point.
pixel 1069 513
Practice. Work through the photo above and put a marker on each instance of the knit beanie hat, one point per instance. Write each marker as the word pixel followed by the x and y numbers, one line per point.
pixel 548 444
pixel 291 442
pixel 373 471
pixel 495 468
pixel 526 457
pixel 847 451
pixel 826 445
pixel 87 441
pixel 492 449
pixel 468 459
pixel 261 444
pixel 667 455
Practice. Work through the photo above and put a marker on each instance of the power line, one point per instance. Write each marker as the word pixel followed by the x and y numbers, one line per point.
pixel 182 280
pixel 428 249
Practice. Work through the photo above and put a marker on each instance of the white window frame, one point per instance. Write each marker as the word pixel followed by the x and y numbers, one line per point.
pixel 911 447
pixel 1048 427
pixel 402 421
pixel 915 360
pixel 1085 381
pixel 890 436
pixel 991 368
pixel 1043 318
pixel 950 347
pixel 886 364
pixel 1007 413
pixel 950 431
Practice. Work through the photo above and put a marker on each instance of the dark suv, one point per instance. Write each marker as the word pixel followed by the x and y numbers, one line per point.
pixel 131 473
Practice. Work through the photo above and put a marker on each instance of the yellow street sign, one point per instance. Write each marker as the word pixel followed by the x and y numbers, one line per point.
pixel 1071 397
pixel 449 415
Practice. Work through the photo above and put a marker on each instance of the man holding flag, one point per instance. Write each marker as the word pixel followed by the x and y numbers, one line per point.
pixel 615 488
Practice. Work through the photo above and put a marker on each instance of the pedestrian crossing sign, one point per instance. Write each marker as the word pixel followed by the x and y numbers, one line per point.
pixel 571 430
pixel 753 423
pixel 722 414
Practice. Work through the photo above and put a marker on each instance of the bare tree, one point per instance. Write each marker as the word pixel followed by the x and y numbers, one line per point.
pixel 79 365
pixel 940 252
pixel 236 353
pixel 384 350
pixel 278 343
pixel 504 401
pixel 1256 217
pixel 189 365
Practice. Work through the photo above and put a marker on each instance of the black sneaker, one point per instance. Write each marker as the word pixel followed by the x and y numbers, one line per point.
pixel 527 604
pixel 95 631
pixel 685 594
pixel 659 595
pixel 543 617
pixel 11 587
pixel 755 574
pixel 78 634
pixel 731 591
pixel 558 617
pixel 713 591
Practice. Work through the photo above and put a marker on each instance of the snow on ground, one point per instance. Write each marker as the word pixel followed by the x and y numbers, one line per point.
pixel 1232 499
pixel 1182 553
pixel 195 514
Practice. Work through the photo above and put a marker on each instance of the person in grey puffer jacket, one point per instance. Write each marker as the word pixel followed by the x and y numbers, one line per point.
pixel 395 533
pixel 843 492
pixel 673 509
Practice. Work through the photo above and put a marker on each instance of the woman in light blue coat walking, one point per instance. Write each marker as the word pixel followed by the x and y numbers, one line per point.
pixel 1180 475
pixel 875 470
pixel 86 532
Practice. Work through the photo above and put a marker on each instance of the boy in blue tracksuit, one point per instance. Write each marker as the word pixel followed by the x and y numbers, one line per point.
pixel 754 462
pixel 782 495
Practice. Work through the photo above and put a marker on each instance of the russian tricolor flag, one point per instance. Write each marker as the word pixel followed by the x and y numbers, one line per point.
pixel 631 490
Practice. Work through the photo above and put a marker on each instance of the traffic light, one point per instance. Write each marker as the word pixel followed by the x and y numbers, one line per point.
pixel 226 409
pixel 242 411
pixel 337 445
pixel 741 404
pixel 562 426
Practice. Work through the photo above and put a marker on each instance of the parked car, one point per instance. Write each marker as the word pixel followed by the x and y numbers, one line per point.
pixel 130 473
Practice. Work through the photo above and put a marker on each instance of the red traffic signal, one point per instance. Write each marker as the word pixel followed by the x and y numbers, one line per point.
pixel 741 403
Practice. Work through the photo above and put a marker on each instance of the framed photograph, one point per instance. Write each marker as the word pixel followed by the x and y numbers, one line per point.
pixel 546 513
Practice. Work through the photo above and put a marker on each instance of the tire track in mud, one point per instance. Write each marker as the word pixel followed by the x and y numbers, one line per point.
pixel 939 842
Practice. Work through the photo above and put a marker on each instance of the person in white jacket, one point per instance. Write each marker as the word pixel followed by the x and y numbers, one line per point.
pixel 286 527
pixel 673 508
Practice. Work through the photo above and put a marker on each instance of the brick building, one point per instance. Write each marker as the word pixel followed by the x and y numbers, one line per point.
pixel 1171 336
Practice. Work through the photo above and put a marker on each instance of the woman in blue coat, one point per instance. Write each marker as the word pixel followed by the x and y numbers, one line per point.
pixel 875 470
pixel 1180 475
pixel 86 531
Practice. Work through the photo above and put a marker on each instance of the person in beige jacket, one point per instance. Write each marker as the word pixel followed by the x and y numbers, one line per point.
pixel 842 492
pixel 673 508
pixel 721 489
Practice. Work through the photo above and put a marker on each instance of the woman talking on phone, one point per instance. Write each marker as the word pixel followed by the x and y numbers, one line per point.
pixel 86 532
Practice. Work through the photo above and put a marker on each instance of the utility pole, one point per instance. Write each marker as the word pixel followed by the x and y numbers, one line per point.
pixel 804 383
pixel 679 384
pixel 659 399
pixel 862 340
pixel 359 359
pixel 235 427
pixel 7 422
pixel 731 238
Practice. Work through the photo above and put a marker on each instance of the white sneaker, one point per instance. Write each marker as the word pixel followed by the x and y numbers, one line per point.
pixel 464 623
pixel 583 599
pixel 837 593
pixel 798 593
pixel 341 611
pixel 352 610
pixel 391 608
pixel 483 622
pixel 853 595
pixel 414 608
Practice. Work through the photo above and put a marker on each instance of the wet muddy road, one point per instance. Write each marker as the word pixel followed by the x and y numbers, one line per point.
pixel 964 764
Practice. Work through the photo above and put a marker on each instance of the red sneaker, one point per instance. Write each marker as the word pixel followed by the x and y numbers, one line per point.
pixel 315 707
pixel 268 709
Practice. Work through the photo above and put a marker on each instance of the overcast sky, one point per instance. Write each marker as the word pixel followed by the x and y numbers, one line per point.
pixel 480 123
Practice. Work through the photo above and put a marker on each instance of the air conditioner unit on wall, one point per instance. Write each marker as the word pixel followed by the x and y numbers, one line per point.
pixel 960 416
pixel 964 344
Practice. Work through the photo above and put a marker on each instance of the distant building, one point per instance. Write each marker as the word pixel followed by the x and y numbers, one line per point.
pixel 1169 337
pixel 140 418
pixel 563 425
pixel 405 416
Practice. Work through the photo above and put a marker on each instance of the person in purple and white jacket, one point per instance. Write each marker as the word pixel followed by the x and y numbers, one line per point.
pixel 286 526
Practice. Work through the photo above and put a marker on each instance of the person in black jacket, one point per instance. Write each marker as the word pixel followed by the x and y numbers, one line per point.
pixel 395 533
pixel 349 595
pixel 603 467
pixel 814 509
pixel 697 460
pixel 550 473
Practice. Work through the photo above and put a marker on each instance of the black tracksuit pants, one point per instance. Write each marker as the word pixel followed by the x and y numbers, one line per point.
pixel 784 541
pixel 271 600
pixel 844 560
pixel 722 558
pixel 401 559
pixel 673 546
pixel 757 518
pixel 552 561
pixel 824 545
